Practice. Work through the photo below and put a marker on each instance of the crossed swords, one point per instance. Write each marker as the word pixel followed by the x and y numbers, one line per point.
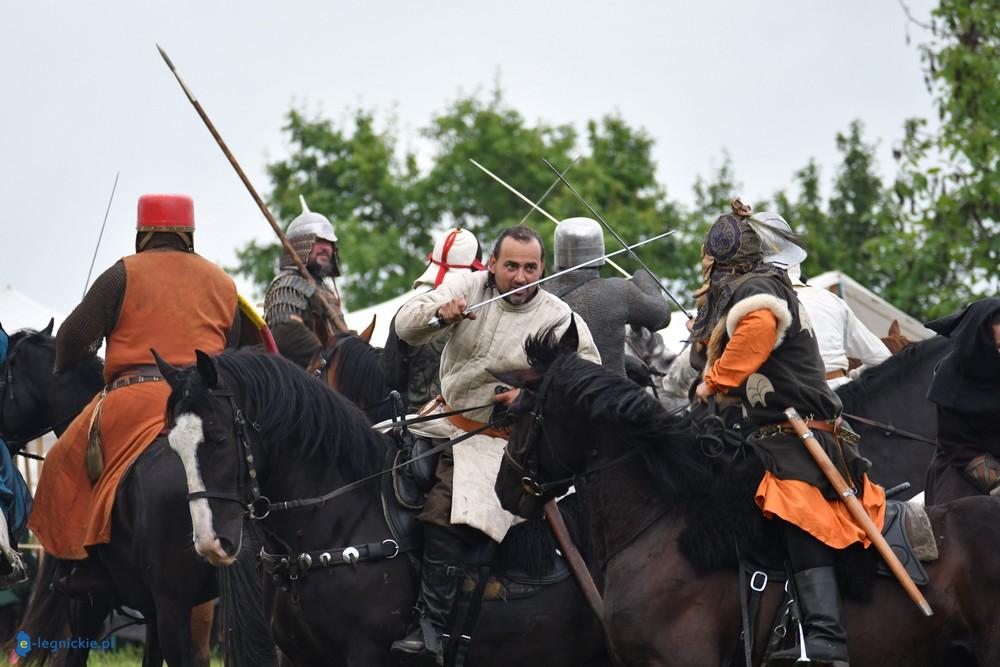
pixel 561 177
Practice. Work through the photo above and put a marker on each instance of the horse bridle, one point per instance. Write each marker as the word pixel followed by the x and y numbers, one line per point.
pixel 258 506
pixel 7 396
pixel 528 469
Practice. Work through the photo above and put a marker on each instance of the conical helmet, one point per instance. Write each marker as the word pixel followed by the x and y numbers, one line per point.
pixel 305 229
pixel 578 240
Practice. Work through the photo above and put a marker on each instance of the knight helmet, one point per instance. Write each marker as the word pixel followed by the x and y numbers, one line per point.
pixel 305 230
pixel 578 240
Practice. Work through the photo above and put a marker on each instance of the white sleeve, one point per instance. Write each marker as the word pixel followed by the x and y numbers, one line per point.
pixel 862 344
pixel 413 319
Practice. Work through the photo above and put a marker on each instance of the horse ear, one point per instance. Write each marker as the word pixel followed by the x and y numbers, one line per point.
pixel 208 368
pixel 570 341
pixel 894 329
pixel 48 327
pixel 168 371
pixel 366 335
pixel 529 378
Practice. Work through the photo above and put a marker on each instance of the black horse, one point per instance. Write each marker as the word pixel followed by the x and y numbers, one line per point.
pixel 665 523
pixel 352 367
pixel 894 393
pixel 150 561
pixel 250 427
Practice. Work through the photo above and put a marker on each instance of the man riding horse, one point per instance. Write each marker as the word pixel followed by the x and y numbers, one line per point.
pixel 966 389
pixel 839 333
pixel 293 308
pixel 762 350
pixel 462 513
pixel 412 370
pixel 164 297
pixel 605 304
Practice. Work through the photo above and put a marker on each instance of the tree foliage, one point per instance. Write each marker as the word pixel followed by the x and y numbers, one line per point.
pixel 927 241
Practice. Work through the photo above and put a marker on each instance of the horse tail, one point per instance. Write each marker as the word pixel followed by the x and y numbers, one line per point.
pixel 246 635
pixel 47 614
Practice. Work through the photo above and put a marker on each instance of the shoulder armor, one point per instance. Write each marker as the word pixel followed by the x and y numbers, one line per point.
pixel 288 295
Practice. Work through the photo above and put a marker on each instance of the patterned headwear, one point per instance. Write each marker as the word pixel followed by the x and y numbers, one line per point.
pixel 737 255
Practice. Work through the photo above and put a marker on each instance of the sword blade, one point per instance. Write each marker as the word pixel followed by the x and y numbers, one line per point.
pixel 549 191
pixel 436 322
pixel 616 235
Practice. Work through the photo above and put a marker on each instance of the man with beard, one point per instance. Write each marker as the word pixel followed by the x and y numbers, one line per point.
pixel 966 389
pixel 293 308
pixel 462 514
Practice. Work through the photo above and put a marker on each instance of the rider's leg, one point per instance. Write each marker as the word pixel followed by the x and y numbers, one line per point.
pixel 819 600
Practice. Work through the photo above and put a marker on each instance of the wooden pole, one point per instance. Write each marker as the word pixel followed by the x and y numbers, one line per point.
pixel 575 560
pixel 849 497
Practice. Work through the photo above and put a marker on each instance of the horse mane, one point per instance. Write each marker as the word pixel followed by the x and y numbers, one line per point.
pixel 90 367
pixel 666 443
pixel 360 374
pixel 299 415
pixel 854 393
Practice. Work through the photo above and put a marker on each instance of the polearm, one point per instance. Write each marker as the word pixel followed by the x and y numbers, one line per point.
pixel 575 560
pixel 437 322
pixel 335 317
pixel 861 519
pixel 535 206
pixel 617 236
pixel 549 191
pixel 100 236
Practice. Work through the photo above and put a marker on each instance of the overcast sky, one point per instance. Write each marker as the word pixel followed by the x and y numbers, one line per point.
pixel 86 94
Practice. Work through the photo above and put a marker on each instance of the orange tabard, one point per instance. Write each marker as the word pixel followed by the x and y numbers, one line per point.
pixel 829 521
pixel 174 302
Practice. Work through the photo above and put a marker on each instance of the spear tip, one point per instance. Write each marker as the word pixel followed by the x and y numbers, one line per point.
pixel 166 58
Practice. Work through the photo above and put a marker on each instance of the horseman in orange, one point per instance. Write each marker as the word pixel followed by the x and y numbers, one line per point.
pixel 164 297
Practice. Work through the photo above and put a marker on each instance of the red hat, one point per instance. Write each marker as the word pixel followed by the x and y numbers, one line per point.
pixel 165 213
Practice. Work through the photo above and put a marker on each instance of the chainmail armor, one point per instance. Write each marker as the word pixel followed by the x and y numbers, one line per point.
pixel 80 336
pixel 608 304
pixel 303 246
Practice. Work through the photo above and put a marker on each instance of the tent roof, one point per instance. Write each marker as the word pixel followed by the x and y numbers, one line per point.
pixel 19 311
pixel 874 312
pixel 383 313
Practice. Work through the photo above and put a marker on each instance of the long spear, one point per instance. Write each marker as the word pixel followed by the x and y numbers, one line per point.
pixel 100 236
pixel 335 317
pixel 616 235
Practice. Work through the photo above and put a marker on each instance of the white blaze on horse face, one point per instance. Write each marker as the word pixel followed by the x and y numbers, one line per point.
pixel 184 439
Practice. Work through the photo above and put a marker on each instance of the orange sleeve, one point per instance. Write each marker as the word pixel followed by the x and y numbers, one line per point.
pixel 748 348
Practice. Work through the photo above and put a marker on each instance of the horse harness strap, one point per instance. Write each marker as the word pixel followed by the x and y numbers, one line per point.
pixel 890 429
pixel 294 566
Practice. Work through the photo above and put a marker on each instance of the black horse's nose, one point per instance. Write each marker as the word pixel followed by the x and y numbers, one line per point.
pixel 227 545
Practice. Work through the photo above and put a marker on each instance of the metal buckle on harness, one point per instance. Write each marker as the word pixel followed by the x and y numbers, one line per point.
pixel 395 544
pixel 258 505
pixel 531 487
pixel 753 581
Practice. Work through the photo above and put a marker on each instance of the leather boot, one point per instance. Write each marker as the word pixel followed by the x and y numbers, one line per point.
pixel 81 578
pixel 819 605
pixel 442 561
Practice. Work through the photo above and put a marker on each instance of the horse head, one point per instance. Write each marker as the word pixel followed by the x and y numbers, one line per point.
pixel 35 400
pixel 208 432
pixel 543 453
pixel 352 367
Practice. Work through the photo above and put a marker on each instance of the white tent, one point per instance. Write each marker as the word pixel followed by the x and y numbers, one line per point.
pixel 19 311
pixel 874 312
pixel 383 313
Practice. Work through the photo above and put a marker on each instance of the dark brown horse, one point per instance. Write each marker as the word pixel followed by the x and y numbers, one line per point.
pixel 250 425
pixel 665 523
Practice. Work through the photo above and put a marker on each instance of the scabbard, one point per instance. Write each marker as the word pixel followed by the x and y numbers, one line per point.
pixel 862 520
pixel 575 560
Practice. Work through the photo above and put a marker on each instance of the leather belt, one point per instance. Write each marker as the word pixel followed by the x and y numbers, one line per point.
pixel 134 375
pixel 469 425
pixel 813 424
pixel 833 375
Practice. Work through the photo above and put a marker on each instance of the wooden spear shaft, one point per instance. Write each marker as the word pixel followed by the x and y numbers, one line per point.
pixel 335 317
pixel 861 518
pixel 575 560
